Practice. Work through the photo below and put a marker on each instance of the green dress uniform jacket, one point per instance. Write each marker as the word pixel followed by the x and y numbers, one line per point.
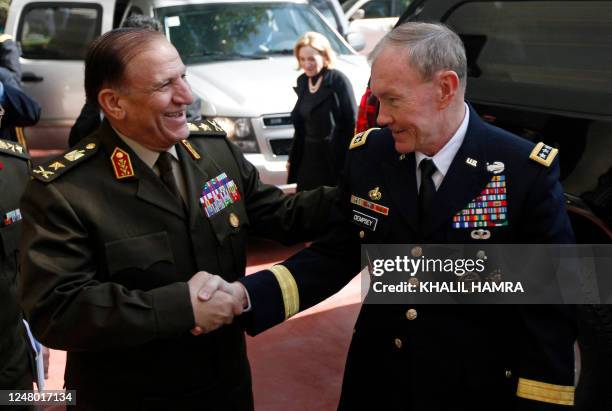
pixel 107 253
pixel 15 367
pixel 438 357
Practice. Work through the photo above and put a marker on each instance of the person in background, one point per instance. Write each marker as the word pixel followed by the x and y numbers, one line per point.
pixel 323 117
pixel 10 68
pixel 19 111
pixel 91 117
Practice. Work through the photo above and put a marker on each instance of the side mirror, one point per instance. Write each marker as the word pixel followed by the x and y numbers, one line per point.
pixel 358 15
pixel 356 40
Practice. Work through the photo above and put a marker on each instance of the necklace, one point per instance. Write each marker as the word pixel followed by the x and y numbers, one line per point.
pixel 314 87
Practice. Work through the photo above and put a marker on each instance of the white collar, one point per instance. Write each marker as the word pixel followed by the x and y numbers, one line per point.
pixel 443 158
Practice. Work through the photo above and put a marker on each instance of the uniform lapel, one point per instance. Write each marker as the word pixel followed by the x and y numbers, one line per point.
pixel 149 188
pixel 401 180
pixel 463 181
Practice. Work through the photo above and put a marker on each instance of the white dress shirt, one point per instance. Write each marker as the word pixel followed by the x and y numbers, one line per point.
pixel 443 158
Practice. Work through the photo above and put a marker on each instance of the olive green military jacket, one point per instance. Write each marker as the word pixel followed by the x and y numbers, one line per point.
pixel 14 362
pixel 107 250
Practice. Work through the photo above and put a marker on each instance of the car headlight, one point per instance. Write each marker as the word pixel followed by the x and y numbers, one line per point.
pixel 239 130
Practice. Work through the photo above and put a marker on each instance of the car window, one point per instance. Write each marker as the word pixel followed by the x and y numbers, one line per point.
pixel 555 52
pixel 214 32
pixel 400 7
pixel 346 6
pixel 58 31
pixel 377 9
pixel 325 9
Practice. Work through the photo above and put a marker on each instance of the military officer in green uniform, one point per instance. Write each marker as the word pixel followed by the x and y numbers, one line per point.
pixel 15 364
pixel 116 229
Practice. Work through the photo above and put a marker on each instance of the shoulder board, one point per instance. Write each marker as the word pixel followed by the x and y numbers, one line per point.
pixel 13 149
pixel 543 154
pixel 360 139
pixel 4 37
pixel 60 165
pixel 205 127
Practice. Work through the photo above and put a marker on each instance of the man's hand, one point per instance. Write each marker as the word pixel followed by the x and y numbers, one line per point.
pixel 236 289
pixel 218 309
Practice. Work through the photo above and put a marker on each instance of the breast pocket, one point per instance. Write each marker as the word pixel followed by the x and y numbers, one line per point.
pixel 229 221
pixel 142 262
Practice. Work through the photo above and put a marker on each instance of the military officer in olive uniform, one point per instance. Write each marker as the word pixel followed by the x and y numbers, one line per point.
pixel 15 363
pixel 115 229
pixel 414 182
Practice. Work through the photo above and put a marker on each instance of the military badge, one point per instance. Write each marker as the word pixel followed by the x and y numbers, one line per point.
pixel 74 155
pixel 364 220
pixel 480 234
pixel 543 154
pixel 375 194
pixel 471 162
pixel 42 172
pixel 192 151
pixel 56 165
pixel 377 208
pixel 488 209
pixel 496 168
pixel 12 217
pixel 122 165
pixel 219 193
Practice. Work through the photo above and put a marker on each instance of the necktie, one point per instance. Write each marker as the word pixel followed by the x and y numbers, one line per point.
pixel 428 188
pixel 164 164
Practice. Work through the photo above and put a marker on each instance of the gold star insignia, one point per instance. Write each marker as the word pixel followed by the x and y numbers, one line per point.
pixel 90 146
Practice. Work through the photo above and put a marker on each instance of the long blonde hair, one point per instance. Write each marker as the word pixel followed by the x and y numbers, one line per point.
pixel 318 42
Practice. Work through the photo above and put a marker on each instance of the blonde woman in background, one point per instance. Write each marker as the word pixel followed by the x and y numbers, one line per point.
pixel 323 117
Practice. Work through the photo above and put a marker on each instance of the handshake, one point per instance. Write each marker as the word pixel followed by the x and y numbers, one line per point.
pixel 215 302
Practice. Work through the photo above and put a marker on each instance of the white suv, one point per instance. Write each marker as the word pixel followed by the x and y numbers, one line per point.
pixel 238 55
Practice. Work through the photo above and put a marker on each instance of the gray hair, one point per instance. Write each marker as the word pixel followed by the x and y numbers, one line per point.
pixel 431 47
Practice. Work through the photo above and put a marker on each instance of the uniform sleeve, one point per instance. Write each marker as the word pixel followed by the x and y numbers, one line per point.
pixel 307 277
pixel 284 218
pixel 546 373
pixel 66 306
pixel 20 110
pixel 545 216
pixel 546 365
pixel 10 67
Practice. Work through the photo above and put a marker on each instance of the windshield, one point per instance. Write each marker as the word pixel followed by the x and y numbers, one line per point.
pixel 230 31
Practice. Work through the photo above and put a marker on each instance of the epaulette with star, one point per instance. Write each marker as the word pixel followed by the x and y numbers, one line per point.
pixel 13 149
pixel 360 139
pixel 205 127
pixel 60 165
pixel 543 154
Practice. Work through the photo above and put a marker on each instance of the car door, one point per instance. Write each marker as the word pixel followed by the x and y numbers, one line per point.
pixel 54 37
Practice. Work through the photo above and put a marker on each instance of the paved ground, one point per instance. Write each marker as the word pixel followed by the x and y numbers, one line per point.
pixel 298 362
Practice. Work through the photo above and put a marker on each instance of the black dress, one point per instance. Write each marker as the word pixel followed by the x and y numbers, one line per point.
pixel 324 124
